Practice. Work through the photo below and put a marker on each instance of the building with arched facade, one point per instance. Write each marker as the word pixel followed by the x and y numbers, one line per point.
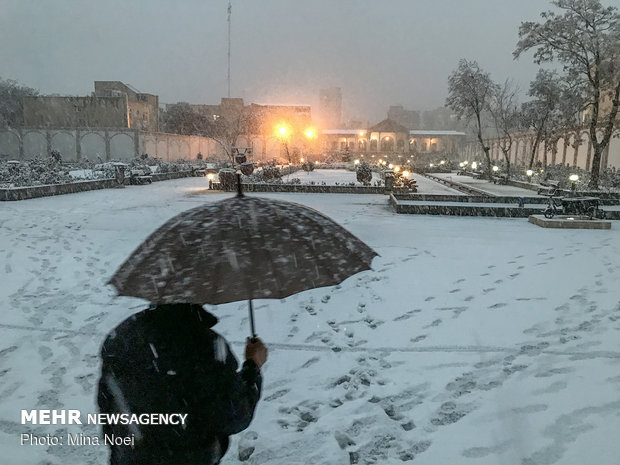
pixel 390 137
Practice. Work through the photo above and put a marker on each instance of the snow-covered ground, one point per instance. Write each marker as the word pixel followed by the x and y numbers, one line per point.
pixel 472 340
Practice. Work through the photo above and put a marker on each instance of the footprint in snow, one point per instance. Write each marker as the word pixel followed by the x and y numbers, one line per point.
pixel 434 324
pixel 310 362
pixel 277 395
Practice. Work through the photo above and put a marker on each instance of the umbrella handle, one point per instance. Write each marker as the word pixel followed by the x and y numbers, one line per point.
pixel 252 328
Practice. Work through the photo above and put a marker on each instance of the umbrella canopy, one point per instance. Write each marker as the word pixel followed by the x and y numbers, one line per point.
pixel 241 248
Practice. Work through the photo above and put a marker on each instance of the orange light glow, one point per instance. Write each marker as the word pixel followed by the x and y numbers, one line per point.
pixel 310 133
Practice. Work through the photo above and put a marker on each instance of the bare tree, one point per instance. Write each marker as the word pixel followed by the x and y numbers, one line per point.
pixel 11 102
pixel 181 119
pixel 227 130
pixel 506 117
pixel 585 38
pixel 470 93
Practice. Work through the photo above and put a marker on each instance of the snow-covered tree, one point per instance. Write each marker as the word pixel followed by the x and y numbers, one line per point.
pixel 506 117
pixel 584 36
pixel 470 94
pixel 538 114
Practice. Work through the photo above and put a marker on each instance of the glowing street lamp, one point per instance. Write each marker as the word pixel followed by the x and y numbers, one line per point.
pixel 495 168
pixel 396 169
pixel 357 162
pixel 390 166
pixel 442 162
pixel 474 165
pixel 431 165
pixel 406 174
pixel 282 131
pixel 530 173
pixel 573 178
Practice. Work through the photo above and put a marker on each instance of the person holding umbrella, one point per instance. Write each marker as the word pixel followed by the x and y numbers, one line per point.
pixel 168 360
pixel 240 248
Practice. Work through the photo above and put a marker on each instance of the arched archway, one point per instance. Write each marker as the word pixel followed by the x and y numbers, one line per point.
pixel 121 146
pixel 93 146
pixel 35 144
pixel 9 144
pixel 64 142
pixel 387 144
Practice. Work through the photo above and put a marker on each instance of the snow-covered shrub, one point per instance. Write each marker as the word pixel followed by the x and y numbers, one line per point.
pixel 270 172
pixel 364 173
pixel 308 166
pixel 34 172
pixel 228 179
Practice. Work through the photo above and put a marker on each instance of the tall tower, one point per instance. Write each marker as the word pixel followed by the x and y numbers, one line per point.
pixel 330 106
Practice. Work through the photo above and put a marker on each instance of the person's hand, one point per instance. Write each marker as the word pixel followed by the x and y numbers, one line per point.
pixel 255 350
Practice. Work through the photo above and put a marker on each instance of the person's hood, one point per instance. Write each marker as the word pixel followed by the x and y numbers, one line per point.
pixel 196 310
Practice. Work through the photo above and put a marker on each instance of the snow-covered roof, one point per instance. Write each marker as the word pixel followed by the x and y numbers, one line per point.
pixel 423 132
pixel 387 125
pixel 343 131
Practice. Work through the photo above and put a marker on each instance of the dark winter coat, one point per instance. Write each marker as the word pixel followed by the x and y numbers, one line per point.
pixel 167 360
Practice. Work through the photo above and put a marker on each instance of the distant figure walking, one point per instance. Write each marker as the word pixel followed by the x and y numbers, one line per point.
pixel 168 360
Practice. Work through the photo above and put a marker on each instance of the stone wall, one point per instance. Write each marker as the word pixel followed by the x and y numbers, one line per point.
pixel 24 193
pixel 75 112
pixel 97 145
pixel 306 188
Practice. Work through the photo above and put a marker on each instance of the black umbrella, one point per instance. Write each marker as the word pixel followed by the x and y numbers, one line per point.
pixel 241 248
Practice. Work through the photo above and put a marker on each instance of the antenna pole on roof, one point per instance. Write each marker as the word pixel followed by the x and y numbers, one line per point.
pixel 229 15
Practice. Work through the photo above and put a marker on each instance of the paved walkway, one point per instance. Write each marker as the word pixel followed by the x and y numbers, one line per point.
pixel 483 184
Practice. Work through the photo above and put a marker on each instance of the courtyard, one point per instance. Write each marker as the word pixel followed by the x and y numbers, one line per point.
pixel 472 340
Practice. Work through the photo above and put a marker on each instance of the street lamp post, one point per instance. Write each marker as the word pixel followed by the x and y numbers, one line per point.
pixel 242 165
pixel 573 178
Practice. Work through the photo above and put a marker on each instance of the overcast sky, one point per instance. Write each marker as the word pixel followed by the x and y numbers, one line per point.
pixel 380 52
